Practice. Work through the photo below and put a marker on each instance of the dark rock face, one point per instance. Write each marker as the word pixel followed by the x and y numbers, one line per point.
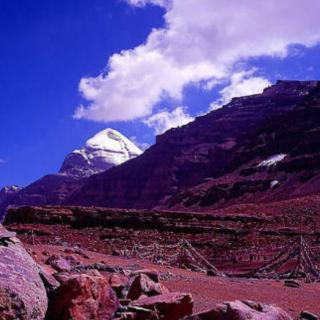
pixel 22 293
pixel 226 146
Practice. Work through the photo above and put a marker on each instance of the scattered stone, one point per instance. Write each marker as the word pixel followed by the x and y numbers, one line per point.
pixel 151 273
pixel 204 315
pixel 83 297
pixel 59 263
pixel 143 285
pixel 100 266
pixel 136 313
pixel 291 284
pixel 242 310
pixel 62 277
pixel 22 293
pixel 169 306
pixel 125 302
pixel 306 315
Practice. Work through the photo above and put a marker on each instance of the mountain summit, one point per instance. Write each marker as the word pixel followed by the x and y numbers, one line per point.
pixel 108 148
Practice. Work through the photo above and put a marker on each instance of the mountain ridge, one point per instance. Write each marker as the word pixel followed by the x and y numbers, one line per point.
pixel 219 149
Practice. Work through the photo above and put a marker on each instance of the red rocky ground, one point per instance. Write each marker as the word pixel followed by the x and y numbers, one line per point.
pixel 235 239
pixel 206 291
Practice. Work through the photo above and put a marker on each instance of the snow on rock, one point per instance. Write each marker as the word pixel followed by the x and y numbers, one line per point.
pixel 8 191
pixel 106 149
pixel 272 160
pixel 274 183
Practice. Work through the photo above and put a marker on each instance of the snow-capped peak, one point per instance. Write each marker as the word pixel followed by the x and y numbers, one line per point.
pixel 112 140
pixel 104 150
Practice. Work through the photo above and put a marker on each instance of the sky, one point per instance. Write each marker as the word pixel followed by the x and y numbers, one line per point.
pixel 69 69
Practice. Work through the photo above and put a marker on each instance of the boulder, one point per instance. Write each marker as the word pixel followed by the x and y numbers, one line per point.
pixel 22 293
pixel 169 306
pixel 118 282
pixel 242 310
pixel 306 315
pixel 83 297
pixel 143 285
pixel 151 273
pixel 59 263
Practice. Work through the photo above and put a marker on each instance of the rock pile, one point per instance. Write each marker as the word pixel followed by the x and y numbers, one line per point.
pixel 65 289
pixel 115 296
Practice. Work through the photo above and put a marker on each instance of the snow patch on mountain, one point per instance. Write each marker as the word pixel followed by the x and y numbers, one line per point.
pixel 272 160
pixel 106 149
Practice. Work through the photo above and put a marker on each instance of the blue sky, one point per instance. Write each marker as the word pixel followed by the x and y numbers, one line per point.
pixel 47 47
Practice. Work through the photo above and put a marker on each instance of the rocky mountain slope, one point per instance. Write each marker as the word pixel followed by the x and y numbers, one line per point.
pixel 281 161
pixel 256 147
pixel 105 150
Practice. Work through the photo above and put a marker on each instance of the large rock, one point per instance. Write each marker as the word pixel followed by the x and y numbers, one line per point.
pixel 243 310
pixel 83 297
pixel 59 263
pixel 143 285
pixel 118 282
pixel 22 293
pixel 151 273
pixel 169 306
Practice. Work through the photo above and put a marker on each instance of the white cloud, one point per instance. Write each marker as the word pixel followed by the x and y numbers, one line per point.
pixel 242 83
pixel 165 120
pixel 200 43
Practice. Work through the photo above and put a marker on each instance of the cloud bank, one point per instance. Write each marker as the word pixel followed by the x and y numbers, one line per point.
pixel 242 83
pixel 200 43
